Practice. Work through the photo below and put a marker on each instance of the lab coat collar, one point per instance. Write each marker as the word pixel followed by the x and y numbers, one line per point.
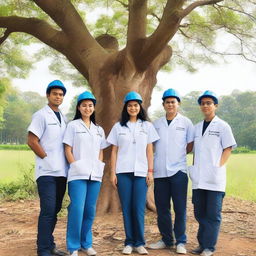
pixel 214 120
pixel 51 112
pixel 176 118
pixel 92 125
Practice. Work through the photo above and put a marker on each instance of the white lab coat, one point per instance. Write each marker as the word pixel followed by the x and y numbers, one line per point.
pixel 206 172
pixel 132 157
pixel 170 150
pixel 46 126
pixel 86 144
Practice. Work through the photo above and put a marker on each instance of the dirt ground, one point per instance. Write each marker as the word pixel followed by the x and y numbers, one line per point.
pixel 18 221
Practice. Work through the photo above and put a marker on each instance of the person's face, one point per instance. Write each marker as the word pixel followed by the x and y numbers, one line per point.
pixel 55 97
pixel 171 105
pixel 207 106
pixel 133 108
pixel 86 108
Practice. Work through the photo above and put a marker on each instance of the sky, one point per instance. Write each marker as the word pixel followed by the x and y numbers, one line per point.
pixel 222 79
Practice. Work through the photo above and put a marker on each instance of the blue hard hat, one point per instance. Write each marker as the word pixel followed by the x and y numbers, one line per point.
pixel 171 93
pixel 132 96
pixel 86 96
pixel 208 94
pixel 56 84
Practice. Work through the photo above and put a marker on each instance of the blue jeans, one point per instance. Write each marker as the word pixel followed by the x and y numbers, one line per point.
pixel 166 189
pixel 81 212
pixel 51 191
pixel 132 192
pixel 207 211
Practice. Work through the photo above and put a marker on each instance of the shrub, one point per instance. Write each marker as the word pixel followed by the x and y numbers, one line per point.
pixel 23 188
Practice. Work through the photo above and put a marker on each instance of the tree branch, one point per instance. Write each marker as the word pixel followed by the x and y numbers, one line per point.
pixel 239 11
pixel 68 19
pixel 196 4
pixel 168 26
pixel 137 22
pixel 37 28
pixel 5 36
pixel 122 3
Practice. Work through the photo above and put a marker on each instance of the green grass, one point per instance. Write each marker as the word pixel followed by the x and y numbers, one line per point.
pixel 241 171
pixel 13 162
pixel 241 176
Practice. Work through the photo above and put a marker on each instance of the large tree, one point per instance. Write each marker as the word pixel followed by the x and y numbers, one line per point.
pixel 150 27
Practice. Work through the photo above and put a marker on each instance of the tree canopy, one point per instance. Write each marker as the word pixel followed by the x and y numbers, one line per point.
pixel 202 31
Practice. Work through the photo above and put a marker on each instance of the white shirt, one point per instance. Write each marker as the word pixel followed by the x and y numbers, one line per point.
pixel 206 172
pixel 86 144
pixel 132 144
pixel 47 127
pixel 170 151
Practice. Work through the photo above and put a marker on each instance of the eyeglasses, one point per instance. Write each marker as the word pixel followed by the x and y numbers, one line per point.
pixel 207 103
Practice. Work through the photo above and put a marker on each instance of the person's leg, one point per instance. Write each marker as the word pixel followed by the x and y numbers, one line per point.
pixel 60 192
pixel 199 202
pixel 139 197
pixel 162 193
pixel 77 190
pixel 124 186
pixel 179 185
pixel 213 218
pixel 93 189
pixel 47 193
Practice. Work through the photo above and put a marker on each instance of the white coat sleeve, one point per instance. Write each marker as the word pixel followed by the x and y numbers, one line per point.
pixel 37 125
pixel 112 137
pixel 104 143
pixel 152 133
pixel 69 135
pixel 227 138
pixel 190 132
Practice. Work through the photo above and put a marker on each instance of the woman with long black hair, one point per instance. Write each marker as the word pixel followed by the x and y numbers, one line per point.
pixel 84 142
pixel 132 168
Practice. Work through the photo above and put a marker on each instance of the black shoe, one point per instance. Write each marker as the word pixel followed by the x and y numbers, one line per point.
pixel 197 250
pixel 58 252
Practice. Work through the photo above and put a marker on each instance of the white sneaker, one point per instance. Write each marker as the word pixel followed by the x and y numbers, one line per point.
pixel 206 252
pixel 181 249
pixel 158 245
pixel 89 251
pixel 74 253
pixel 127 249
pixel 141 250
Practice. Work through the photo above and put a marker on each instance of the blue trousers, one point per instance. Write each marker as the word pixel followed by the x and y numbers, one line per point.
pixel 166 189
pixel 81 212
pixel 207 211
pixel 51 191
pixel 132 192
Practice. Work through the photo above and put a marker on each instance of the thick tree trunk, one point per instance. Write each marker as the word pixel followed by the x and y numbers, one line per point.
pixel 110 88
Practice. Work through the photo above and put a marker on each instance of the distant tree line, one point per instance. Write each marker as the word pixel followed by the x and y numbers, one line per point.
pixel 238 109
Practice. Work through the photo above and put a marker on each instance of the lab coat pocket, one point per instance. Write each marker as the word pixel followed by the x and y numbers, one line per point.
pixel 98 172
pixel 78 168
pixel 215 174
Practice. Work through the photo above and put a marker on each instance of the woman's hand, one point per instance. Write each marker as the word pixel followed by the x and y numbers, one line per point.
pixel 149 178
pixel 113 180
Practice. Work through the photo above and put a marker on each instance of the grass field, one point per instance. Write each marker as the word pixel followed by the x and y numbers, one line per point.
pixel 12 162
pixel 241 175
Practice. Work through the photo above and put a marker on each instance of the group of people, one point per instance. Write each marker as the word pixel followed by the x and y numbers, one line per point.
pixel 142 153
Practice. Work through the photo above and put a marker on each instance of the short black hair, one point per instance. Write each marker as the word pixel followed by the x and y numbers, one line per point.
pixel 125 117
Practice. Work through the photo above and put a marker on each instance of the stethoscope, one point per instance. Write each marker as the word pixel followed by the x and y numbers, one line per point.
pixel 133 132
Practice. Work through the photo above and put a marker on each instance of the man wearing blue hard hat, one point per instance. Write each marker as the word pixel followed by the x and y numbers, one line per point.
pixel 170 178
pixel 213 144
pixel 45 136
